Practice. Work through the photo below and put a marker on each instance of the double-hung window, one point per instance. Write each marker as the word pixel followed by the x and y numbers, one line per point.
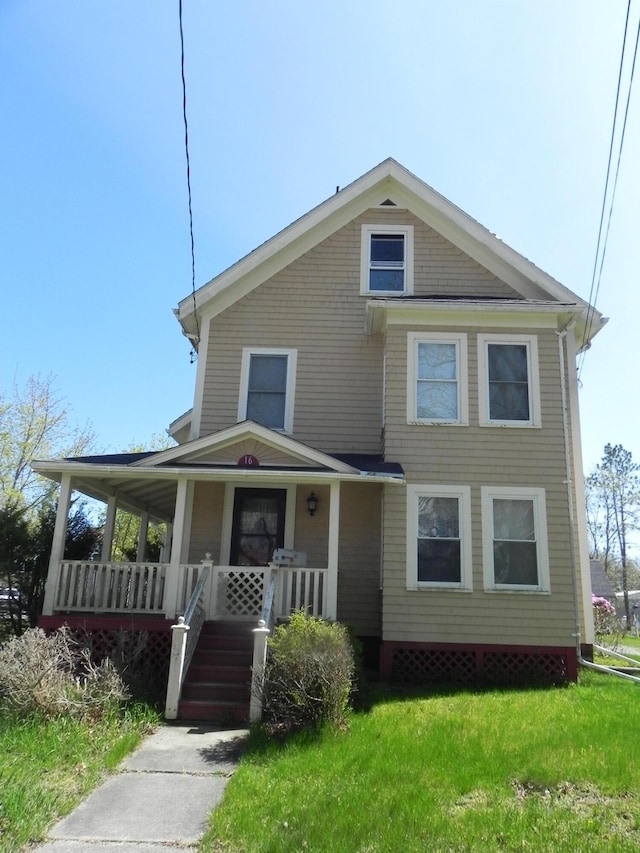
pixel 437 378
pixel 386 260
pixel 267 385
pixel 509 393
pixel 515 539
pixel 438 537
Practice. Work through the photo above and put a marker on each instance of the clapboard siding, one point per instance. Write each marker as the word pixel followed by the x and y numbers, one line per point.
pixel 206 521
pixel 359 598
pixel 315 307
pixel 478 456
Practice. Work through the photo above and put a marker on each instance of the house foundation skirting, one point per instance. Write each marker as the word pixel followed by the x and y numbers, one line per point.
pixel 139 646
pixel 452 663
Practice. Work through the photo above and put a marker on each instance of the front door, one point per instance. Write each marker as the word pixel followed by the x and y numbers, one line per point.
pixel 258 525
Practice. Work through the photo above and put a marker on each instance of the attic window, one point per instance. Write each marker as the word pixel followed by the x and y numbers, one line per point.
pixel 386 260
pixel 388 203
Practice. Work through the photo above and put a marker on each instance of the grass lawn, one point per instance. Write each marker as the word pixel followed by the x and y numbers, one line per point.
pixel 539 770
pixel 630 639
pixel 47 767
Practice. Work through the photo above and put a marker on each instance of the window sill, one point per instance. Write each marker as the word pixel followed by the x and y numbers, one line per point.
pixel 509 425
pixel 438 588
pixel 439 423
pixel 516 591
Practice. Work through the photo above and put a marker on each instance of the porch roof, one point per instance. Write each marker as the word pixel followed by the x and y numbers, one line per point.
pixel 142 483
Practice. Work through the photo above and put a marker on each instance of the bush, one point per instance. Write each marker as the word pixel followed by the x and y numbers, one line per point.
pixel 50 676
pixel 308 676
pixel 606 623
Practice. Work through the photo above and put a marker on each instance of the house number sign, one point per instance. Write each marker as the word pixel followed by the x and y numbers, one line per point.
pixel 248 461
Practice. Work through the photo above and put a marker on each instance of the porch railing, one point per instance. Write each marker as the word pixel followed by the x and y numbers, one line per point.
pixel 260 634
pixel 235 592
pixel 184 638
pixel 111 587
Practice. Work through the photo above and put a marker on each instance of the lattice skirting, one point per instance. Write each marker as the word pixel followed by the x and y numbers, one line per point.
pixel 424 663
pixel 140 647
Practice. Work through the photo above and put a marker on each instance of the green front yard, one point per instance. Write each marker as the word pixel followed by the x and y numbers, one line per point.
pixel 540 770
pixel 47 767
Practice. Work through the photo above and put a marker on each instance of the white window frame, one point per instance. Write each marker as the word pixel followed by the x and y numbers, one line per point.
pixel 365 258
pixel 537 497
pixel 533 377
pixel 463 494
pixel 414 339
pixel 292 357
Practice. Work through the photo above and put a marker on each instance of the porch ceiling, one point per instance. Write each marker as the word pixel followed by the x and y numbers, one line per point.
pixel 157 497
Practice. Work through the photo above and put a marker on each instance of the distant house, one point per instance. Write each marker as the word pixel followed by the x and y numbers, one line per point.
pixel 388 390
pixel 600 584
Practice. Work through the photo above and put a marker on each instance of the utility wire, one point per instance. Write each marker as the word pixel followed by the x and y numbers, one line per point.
pixel 595 286
pixel 615 182
pixel 194 353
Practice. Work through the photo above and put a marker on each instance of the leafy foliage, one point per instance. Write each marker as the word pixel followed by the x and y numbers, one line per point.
pixel 50 676
pixel 606 623
pixel 25 546
pixel 34 424
pixel 613 511
pixel 309 672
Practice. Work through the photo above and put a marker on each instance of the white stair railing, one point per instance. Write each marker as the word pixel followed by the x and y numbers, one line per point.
pixel 260 635
pixel 184 639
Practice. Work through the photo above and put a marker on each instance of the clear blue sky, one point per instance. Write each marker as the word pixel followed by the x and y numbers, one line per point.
pixel 503 106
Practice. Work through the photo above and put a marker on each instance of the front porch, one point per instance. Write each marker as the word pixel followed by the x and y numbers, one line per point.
pixel 111 605
pixel 228 502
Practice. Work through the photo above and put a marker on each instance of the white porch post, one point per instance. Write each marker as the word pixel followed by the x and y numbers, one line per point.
pixel 57 546
pixel 165 548
pixel 142 537
pixel 173 579
pixel 334 533
pixel 109 527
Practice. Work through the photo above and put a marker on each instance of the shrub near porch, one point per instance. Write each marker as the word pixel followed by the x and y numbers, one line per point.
pixel 308 676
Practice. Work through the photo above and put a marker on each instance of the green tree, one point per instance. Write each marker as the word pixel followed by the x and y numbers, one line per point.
pixel 613 511
pixel 35 424
pixel 25 547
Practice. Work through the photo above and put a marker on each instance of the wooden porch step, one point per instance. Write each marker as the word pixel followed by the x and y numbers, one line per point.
pixel 218 684
pixel 212 691
pixel 220 712
pixel 219 672
pixel 233 642
pixel 221 657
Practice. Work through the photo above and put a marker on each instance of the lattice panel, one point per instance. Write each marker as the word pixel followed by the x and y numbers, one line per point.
pixel 524 668
pixel 242 593
pixel 471 666
pixel 143 655
pixel 434 665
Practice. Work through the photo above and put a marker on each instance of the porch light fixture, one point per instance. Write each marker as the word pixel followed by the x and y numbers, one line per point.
pixel 312 503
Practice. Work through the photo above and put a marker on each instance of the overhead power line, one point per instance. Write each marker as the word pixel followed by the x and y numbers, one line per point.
pixel 600 255
pixel 194 352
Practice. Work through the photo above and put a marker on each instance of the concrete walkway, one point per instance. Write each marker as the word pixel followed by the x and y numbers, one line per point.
pixel 159 799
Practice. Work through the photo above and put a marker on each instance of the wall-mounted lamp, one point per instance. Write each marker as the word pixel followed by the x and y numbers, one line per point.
pixel 312 503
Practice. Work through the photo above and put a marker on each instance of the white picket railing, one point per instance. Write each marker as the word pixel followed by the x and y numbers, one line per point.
pixel 234 593
pixel 111 587
pixel 302 589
